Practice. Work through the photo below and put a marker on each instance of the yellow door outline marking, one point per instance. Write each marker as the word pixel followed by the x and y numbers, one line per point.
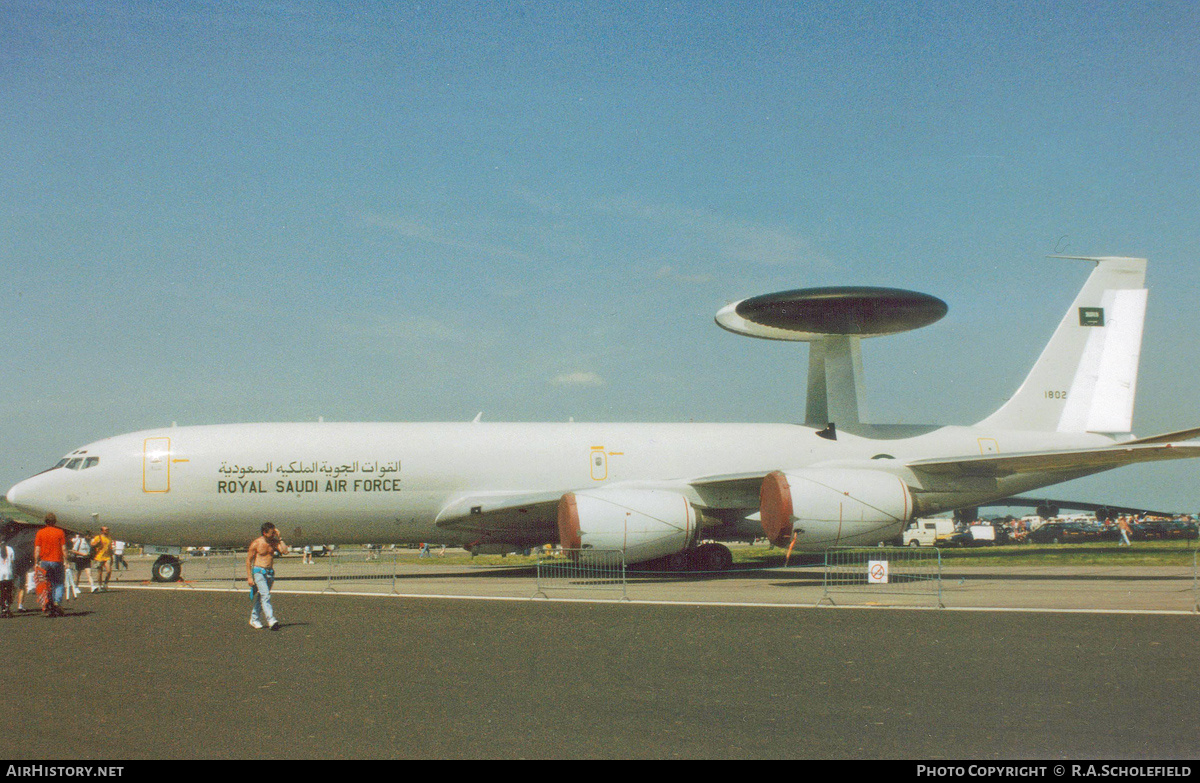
pixel 598 461
pixel 156 465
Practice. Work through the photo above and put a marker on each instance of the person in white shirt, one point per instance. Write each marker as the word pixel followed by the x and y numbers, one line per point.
pixel 119 558
pixel 7 556
pixel 81 559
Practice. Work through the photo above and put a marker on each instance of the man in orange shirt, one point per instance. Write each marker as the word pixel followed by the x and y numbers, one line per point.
pixel 50 553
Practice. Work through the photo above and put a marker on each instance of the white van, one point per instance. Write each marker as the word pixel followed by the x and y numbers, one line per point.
pixel 926 532
pixel 983 533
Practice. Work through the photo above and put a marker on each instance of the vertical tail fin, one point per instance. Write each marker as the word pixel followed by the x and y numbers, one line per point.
pixel 1086 377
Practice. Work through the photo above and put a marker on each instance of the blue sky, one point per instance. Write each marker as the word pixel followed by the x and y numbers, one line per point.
pixel 236 211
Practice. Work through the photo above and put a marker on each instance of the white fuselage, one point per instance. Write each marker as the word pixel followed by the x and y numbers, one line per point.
pixel 382 483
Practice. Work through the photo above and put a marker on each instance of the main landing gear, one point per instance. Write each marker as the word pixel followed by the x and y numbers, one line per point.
pixel 705 558
pixel 166 568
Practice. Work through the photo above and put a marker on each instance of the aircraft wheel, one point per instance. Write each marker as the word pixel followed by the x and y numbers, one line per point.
pixel 680 561
pixel 166 569
pixel 713 557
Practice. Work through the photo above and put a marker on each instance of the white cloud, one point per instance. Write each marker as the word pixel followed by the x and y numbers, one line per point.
pixel 701 233
pixel 460 235
pixel 583 378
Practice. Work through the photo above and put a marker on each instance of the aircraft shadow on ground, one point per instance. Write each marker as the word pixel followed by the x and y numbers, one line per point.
pixel 757 572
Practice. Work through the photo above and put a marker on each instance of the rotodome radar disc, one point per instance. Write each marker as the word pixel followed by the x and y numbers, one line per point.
pixel 814 313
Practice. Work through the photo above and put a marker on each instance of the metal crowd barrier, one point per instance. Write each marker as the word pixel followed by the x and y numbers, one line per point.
pixel 361 565
pixel 211 568
pixel 336 569
pixel 890 571
pixel 582 569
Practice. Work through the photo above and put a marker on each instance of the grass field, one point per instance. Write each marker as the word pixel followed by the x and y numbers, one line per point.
pixel 6 510
pixel 1145 553
pixel 1108 553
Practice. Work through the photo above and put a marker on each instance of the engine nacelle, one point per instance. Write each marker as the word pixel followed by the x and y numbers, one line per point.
pixel 827 507
pixel 642 523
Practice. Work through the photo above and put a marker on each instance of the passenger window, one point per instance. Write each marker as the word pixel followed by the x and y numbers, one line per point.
pixel 74 464
pixel 90 461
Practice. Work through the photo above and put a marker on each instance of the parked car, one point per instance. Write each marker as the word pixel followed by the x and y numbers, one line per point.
pixel 1162 529
pixel 962 538
pixel 1187 530
pixel 1066 533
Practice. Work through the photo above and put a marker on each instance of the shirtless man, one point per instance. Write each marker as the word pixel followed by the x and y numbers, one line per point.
pixel 260 575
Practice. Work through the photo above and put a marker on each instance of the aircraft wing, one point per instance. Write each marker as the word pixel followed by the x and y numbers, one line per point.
pixel 739 490
pixel 500 513
pixel 533 516
pixel 992 465
pixel 1073 505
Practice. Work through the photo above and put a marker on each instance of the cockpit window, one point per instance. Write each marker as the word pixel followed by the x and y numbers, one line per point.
pixel 74 464
pixel 56 466
pixel 90 461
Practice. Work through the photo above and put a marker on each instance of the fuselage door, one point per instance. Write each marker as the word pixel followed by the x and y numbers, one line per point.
pixel 599 464
pixel 156 465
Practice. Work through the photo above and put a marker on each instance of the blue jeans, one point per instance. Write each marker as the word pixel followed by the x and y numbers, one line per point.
pixel 54 575
pixel 260 595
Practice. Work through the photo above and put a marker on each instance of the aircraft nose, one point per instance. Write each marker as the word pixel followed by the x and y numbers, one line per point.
pixel 21 497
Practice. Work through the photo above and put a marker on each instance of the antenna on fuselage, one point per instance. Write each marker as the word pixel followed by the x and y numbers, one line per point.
pixel 833 321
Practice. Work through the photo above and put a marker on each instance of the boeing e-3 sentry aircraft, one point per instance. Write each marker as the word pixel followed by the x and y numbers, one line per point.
pixel 648 490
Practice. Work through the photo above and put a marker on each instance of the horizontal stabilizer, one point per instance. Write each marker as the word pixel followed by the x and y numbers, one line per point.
pixel 1169 437
pixel 1084 460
